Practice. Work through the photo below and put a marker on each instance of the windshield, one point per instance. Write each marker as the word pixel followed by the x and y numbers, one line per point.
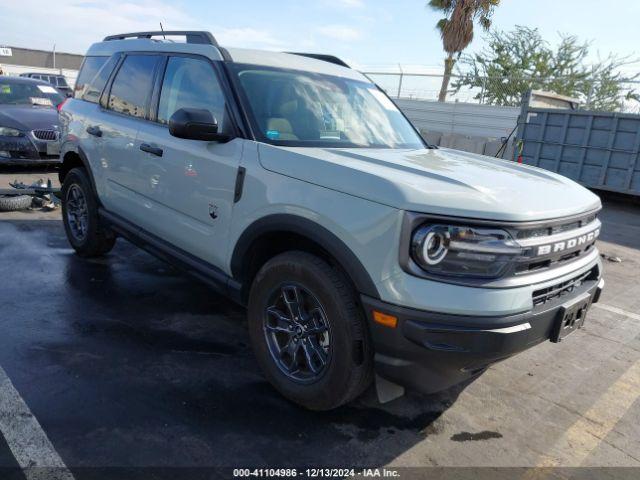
pixel 23 93
pixel 294 108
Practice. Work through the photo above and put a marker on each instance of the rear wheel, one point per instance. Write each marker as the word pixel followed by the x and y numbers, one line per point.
pixel 86 232
pixel 308 333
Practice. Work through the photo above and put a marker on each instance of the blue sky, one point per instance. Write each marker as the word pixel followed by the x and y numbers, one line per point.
pixel 364 32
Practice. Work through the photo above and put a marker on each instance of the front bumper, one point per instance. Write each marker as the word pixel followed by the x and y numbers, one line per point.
pixel 430 352
pixel 25 150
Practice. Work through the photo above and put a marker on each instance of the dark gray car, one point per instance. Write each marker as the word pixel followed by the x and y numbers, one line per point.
pixel 58 81
pixel 28 121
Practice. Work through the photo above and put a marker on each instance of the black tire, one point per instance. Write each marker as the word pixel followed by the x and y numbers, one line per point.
pixel 12 203
pixel 98 238
pixel 349 369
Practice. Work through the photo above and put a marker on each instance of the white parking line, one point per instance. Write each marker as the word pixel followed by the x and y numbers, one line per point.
pixel 590 430
pixel 619 311
pixel 29 444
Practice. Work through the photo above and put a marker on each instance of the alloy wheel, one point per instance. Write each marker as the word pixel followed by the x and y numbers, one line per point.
pixel 297 333
pixel 77 212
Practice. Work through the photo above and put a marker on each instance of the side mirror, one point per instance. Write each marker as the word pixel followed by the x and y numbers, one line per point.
pixel 196 124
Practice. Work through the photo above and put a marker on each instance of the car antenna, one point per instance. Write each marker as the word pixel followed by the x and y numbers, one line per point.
pixel 162 30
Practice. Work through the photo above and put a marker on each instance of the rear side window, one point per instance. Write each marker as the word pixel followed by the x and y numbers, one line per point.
pixel 90 68
pixel 132 85
pixel 190 83
pixel 93 88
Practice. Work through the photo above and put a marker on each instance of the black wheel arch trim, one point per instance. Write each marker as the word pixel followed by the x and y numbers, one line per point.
pixel 77 150
pixel 314 232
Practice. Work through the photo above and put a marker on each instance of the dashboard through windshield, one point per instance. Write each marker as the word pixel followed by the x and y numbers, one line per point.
pixel 297 108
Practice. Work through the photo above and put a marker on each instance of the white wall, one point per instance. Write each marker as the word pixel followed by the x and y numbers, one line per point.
pixel 460 118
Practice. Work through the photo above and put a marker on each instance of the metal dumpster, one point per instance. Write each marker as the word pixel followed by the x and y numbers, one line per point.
pixel 597 149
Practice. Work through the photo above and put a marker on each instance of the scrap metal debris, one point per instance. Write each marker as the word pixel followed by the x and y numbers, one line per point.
pixel 43 193
pixel 611 258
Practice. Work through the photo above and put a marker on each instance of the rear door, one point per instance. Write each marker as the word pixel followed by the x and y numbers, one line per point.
pixel 87 115
pixel 190 183
pixel 126 108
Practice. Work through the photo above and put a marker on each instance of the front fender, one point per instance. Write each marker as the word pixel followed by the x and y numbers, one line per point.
pixel 313 231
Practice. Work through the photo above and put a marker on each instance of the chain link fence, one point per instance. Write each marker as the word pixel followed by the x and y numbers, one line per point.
pixel 620 96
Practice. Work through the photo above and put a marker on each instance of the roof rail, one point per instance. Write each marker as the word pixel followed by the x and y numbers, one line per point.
pixel 200 37
pixel 321 56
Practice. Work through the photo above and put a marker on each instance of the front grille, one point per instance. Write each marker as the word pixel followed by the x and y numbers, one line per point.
pixel 544 295
pixel 48 135
pixel 545 231
pixel 556 245
pixel 557 261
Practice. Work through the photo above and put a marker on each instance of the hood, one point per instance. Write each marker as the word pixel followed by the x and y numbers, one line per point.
pixel 437 181
pixel 27 117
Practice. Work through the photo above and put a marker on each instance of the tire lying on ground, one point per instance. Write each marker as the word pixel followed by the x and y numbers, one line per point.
pixel 10 203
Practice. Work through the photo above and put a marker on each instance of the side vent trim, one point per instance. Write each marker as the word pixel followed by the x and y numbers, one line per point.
pixel 239 184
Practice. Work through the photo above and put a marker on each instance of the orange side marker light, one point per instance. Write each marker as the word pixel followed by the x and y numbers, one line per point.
pixel 385 319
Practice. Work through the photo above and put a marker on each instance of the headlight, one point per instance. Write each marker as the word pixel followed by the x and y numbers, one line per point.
pixel 9 132
pixel 463 251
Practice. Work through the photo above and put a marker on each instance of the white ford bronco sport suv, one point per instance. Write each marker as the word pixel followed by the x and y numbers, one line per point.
pixel 294 185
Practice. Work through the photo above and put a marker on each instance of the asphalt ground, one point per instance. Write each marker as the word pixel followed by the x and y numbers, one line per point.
pixel 124 362
pixel 6 457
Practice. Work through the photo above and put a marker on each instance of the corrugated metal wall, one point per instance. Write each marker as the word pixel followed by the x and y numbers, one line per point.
pixel 597 149
pixel 460 118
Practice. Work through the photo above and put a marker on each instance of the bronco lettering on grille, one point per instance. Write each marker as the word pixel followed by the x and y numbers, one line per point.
pixel 567 244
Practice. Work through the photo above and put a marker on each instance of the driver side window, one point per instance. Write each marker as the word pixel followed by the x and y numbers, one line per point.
pixel 190 83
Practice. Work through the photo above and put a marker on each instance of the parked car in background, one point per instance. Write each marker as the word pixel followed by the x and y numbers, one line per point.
pixel 28 121
pixel 58 81
pixel 297 187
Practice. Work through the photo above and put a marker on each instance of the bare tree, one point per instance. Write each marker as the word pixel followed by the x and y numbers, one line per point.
pixel 456 29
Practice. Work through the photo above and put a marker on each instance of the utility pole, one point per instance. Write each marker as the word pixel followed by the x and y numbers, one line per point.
pixel 54 55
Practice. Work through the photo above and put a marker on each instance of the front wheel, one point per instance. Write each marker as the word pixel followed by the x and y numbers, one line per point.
pixel 86 232
pixel 308 333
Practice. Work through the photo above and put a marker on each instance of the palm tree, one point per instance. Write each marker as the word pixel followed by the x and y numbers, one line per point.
pixel 456 29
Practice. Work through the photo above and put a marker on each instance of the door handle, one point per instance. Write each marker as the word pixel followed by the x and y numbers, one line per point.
pixel 145 147
pixel 95 131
